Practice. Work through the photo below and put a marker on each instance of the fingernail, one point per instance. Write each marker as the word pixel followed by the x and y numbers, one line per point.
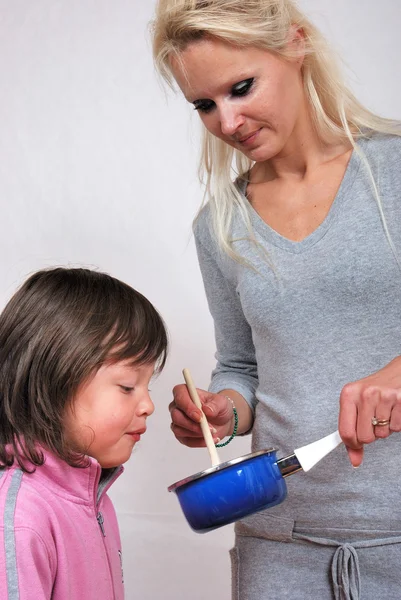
pixel 212 429
pixel 196 416
pixel 217 440
pixel 356 467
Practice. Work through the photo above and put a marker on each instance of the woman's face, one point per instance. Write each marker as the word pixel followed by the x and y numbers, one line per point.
pixel 247 97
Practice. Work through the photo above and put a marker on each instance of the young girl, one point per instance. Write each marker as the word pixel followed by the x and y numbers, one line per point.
pixel 77 351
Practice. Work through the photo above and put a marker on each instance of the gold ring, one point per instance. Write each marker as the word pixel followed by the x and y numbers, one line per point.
pixel 380 422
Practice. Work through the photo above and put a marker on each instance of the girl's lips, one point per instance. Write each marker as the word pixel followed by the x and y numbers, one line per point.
pixel 136 435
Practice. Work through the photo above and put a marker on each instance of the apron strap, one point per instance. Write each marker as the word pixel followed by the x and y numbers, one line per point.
pixel 345 573
pixel 345 564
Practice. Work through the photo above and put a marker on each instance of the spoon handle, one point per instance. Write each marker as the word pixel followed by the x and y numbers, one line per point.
pixel 207 434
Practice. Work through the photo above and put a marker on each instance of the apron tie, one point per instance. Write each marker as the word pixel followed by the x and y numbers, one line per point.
pixel 345 564
pixel 345 573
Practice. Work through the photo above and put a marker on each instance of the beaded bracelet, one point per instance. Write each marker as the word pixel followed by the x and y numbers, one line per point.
pixel 234 433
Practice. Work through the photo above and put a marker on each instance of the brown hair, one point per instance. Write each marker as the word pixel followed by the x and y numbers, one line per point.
pixel 55 332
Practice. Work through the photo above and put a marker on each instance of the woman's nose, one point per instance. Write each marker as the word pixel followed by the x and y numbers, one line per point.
pixel 230 120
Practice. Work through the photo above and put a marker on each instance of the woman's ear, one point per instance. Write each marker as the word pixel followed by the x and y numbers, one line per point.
pixel 296 44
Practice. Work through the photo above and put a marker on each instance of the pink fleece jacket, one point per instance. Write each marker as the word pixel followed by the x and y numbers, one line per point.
pixel 59 536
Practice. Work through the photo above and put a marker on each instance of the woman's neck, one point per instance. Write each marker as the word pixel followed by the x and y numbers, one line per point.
pixel 302 154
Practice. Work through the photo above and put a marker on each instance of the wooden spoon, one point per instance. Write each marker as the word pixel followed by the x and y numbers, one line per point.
pixel 207 434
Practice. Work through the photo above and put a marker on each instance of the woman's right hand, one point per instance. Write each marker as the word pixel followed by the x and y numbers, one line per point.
pixel 185 416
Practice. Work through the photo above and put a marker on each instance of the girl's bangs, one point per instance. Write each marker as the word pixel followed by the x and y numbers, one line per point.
pixel 139 336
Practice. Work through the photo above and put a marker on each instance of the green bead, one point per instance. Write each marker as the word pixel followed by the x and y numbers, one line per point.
pixel 234 433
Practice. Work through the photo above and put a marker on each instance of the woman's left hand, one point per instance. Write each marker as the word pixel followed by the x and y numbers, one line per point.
pixel 377 396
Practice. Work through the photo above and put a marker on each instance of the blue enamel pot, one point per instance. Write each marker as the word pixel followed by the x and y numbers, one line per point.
pixel 232 490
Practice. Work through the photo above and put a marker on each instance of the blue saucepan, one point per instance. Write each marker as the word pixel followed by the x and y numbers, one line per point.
pixel 232 490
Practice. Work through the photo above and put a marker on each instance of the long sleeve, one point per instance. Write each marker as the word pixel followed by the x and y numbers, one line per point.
pixel 236 363
pixel 29 569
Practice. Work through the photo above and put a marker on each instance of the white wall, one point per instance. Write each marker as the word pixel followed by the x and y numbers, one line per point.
pixel 98 167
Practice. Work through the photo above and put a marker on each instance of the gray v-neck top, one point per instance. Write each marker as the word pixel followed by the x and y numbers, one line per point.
pixel 289 339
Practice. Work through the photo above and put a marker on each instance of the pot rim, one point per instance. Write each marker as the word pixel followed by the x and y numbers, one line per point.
pixel 234 461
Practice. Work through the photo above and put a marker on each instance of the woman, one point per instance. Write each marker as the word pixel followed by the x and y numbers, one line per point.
pixel 300 256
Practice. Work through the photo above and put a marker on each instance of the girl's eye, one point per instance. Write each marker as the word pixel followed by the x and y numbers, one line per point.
pixel 243 87
pixel 126 389
pixel 204 106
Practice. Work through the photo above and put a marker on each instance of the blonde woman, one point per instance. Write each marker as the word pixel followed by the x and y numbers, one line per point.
pixel 299 246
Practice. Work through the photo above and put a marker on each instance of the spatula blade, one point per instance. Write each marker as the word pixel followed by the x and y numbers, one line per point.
pixel 311 454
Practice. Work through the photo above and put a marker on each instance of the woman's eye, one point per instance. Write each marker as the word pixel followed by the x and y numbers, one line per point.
pixel 239 89
pixel 242 88
pixel 126 389
pixel 204 106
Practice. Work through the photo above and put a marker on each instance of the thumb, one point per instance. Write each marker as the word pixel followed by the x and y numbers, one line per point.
pixel 355 456
pixel 217 409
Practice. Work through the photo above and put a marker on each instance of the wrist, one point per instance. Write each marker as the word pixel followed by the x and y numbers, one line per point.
pixel 231 423
pixel 243 408
pixel 233 426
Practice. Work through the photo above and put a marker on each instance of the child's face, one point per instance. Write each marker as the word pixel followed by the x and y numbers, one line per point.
pixel 109 412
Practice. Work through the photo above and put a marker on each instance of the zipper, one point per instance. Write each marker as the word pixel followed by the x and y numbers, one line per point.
pixel 103 486
pixel 120 554
pixel 100 520
pixel 100 489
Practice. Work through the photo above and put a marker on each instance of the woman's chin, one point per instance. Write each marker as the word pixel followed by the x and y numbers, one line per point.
pixel 260 153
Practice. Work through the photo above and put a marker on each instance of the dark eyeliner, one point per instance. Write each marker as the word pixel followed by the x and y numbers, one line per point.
pixel 204 106
pixel 243 87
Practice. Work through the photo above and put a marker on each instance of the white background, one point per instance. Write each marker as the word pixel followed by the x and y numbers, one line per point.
pixel 98 168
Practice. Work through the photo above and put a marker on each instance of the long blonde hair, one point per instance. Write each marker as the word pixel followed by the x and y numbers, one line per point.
pixel 265 24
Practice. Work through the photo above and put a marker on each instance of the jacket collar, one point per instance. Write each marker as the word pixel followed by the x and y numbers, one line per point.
pixel 85 485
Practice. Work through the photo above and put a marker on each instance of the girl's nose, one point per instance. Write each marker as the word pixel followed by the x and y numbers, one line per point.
pixel 145 406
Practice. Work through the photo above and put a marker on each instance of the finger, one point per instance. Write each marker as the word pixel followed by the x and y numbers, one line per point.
pixel 218 409
pixel 180 433
pixel 183 402
pixel 181 420
pixel 388 399
pixel 395 424
pixel 191 431
pixel 347 419
pixel 192 443
pixel 367 408
pixel 355 456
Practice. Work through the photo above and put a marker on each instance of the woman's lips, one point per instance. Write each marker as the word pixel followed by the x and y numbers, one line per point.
pixel 248 140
